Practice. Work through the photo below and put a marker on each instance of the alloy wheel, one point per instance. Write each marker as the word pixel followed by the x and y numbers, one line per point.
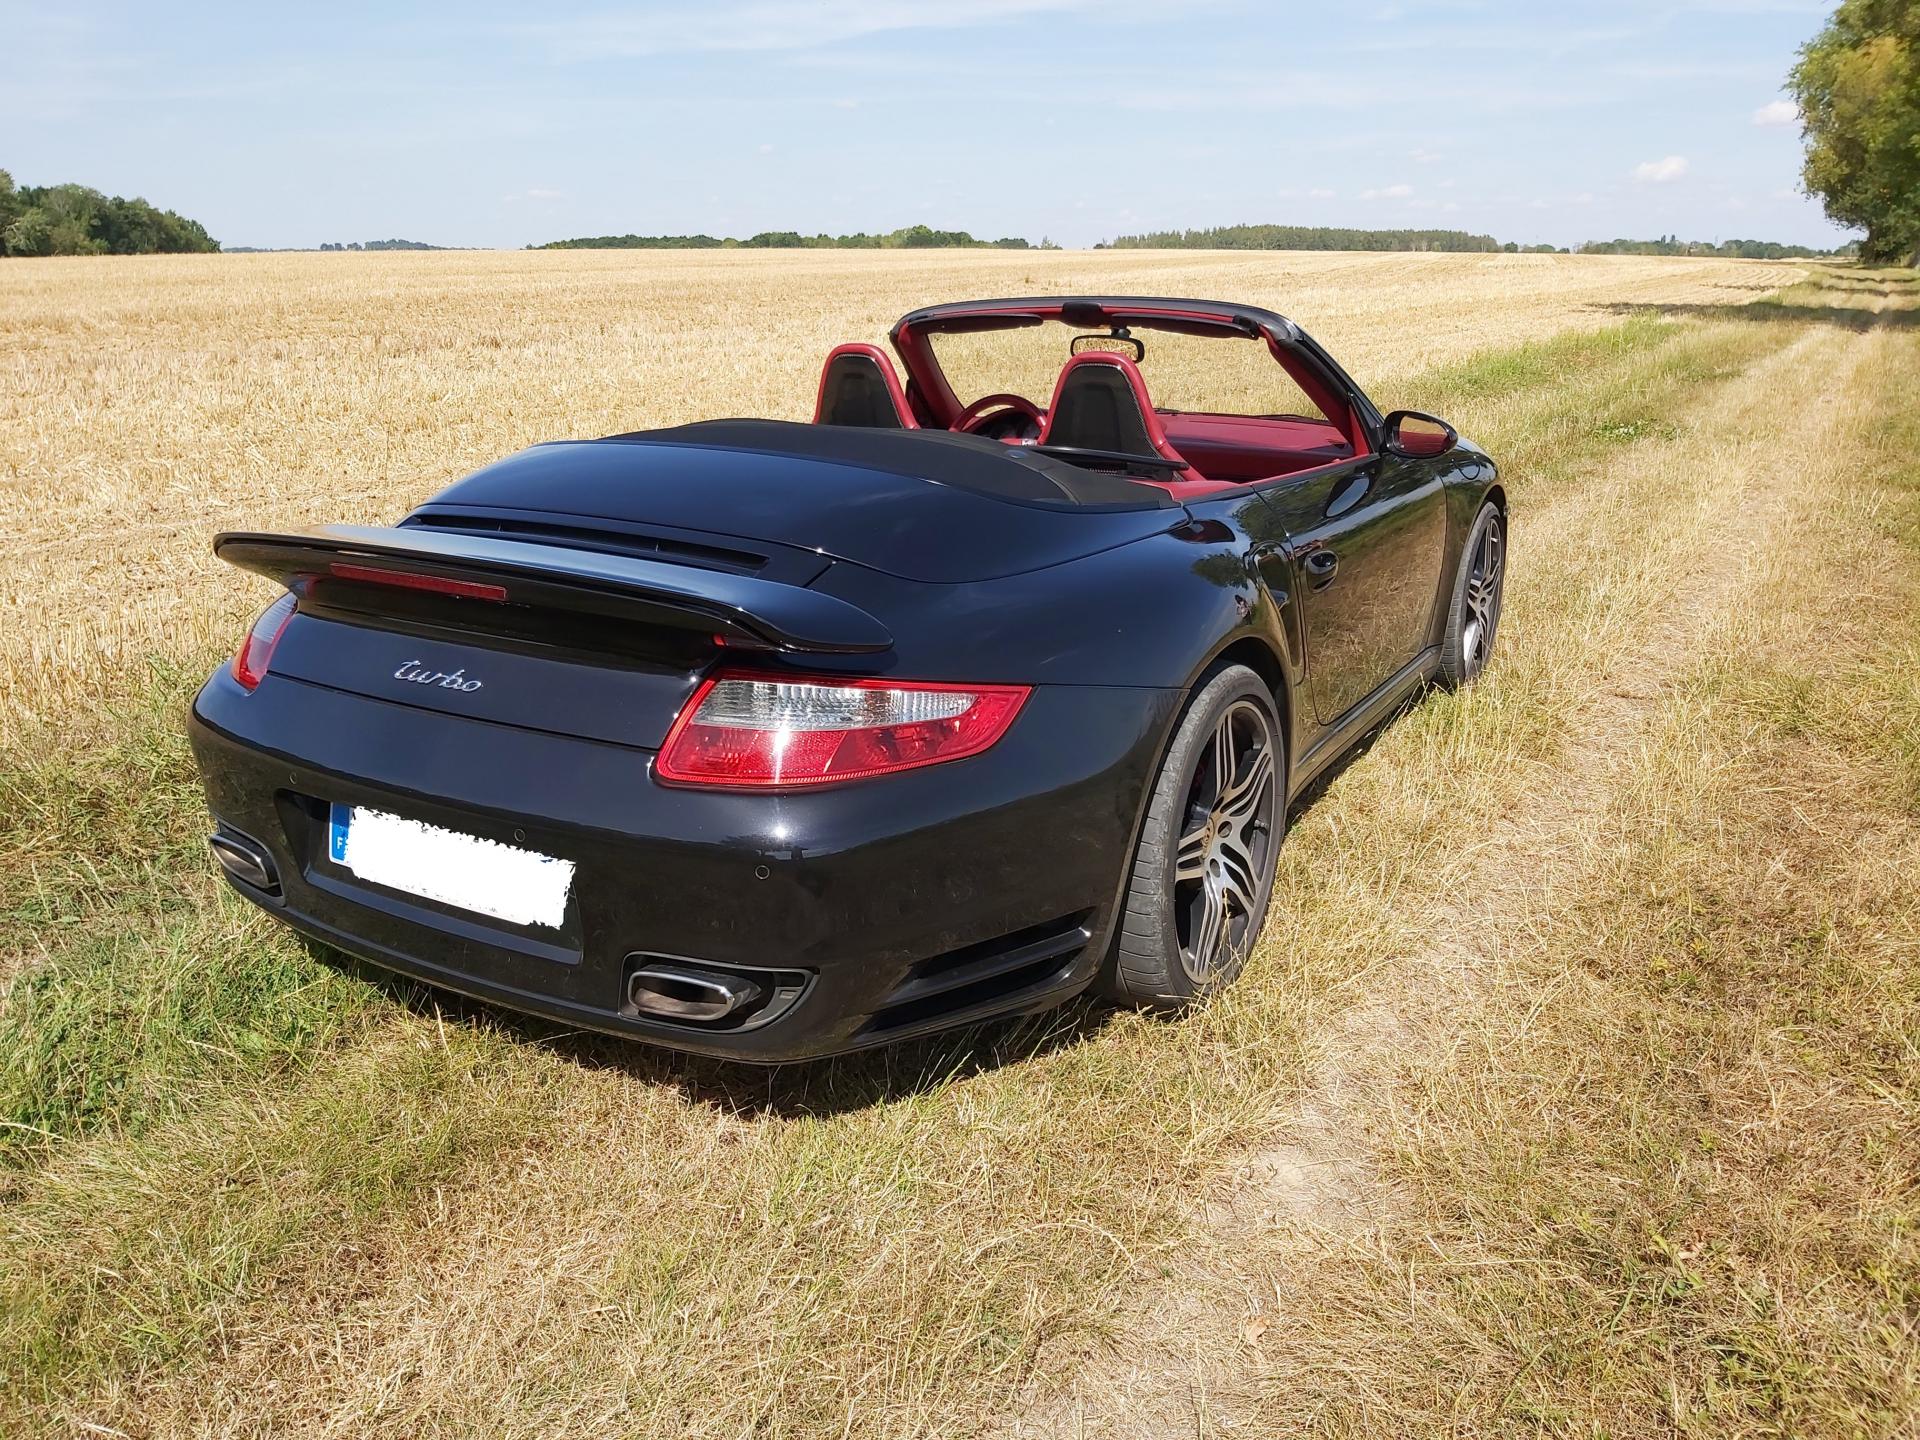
pixel 1223 865
pixel 1485 574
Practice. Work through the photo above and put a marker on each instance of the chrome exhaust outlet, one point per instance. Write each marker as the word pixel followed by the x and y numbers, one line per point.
pixel 673 991
pixel 245 860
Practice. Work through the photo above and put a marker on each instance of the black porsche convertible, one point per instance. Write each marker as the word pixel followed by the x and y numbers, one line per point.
pixel 771 740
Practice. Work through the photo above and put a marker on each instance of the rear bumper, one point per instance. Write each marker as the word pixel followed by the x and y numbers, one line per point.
pixel 896 906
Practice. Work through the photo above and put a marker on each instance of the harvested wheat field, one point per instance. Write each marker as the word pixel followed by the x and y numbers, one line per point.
pixel 147 404
pixel 1571 1090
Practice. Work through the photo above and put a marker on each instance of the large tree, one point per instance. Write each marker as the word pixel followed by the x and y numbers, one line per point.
pixel 1858 84
pixel 76 220
pixel 10 207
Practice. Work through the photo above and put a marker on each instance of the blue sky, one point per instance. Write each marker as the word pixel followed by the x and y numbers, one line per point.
pixel 489 124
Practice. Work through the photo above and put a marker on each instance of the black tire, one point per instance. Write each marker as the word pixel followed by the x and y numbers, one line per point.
pixel 1473 616
pixel 1221 878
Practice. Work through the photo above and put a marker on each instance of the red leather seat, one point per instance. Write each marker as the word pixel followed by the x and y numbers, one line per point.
pixel 858 387
pixel 1100 403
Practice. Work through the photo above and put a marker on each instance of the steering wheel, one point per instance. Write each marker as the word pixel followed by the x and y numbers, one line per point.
pixel 977 412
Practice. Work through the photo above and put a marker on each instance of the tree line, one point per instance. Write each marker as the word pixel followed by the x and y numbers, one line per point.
pixel 1303 237
pixel 1333 237
pixel 76 220
pixel 1730 249
pixel 911 237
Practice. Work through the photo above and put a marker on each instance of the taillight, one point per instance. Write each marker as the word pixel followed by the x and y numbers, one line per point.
pixel 758 730
pixel 250 665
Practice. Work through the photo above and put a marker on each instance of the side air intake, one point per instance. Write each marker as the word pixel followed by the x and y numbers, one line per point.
pixel 996 971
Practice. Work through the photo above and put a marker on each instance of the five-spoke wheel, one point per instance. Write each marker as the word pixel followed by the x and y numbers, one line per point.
pixel 1227 847
pixel 1474 618
pixel 1203 873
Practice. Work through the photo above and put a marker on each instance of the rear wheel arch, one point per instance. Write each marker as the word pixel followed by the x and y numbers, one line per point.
pixel 1261 657
pixel 1146 962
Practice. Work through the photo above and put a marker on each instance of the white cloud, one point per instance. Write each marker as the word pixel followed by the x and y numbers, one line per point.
pixel 1387 192
pixel 1423 157
pixel 1320 194
pixel 1780 112
pixel 766 149
pixel 1660 172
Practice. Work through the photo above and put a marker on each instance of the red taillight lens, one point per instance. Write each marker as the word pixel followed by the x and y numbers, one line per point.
pixel 411 580
pixel 250 665
pixel 762 731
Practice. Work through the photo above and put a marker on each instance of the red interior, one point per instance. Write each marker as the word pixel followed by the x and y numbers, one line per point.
pixel 1220 452
pixel 1245 448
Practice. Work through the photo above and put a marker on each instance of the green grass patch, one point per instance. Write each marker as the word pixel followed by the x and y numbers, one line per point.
pixel 138 981
pixel 1543 364
pixel 262 1183
pixel 131 1016
pixel 97 826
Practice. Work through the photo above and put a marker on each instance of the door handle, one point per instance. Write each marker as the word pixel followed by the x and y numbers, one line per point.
pixel 1320 566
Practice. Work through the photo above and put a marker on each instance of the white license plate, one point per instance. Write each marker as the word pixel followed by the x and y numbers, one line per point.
pixel 484 876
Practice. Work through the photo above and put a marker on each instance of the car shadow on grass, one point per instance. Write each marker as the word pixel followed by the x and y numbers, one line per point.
pixel 827 1086
pixel 1774 312
pixel 1891 287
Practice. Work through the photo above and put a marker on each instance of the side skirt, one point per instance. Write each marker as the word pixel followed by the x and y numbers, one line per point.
pixel 1363 717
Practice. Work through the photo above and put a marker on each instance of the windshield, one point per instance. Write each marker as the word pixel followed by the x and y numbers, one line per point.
pixel 1221 375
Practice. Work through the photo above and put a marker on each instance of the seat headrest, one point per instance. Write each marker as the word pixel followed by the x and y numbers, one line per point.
pixel 858 387
pixel 1100 403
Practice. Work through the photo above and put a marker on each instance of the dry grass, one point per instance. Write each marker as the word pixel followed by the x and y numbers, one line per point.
pixel 1612 1131
pixel 1572 1093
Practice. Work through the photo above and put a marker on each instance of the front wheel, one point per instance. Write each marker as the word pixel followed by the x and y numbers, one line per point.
pixel 1203 874
pixel 1478 588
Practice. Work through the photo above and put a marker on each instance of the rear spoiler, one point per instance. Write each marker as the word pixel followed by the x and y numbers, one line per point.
pixel 744 610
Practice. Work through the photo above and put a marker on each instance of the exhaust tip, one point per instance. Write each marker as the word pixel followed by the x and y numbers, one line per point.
pixel 245 859
pixel 690 993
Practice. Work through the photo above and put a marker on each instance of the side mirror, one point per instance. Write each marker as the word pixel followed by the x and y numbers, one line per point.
pixel 1414 436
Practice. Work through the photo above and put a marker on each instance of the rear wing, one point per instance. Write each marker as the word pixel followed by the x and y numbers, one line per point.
pixel 743 610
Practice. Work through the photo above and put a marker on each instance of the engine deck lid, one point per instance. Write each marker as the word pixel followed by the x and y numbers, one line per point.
pixel 920 505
